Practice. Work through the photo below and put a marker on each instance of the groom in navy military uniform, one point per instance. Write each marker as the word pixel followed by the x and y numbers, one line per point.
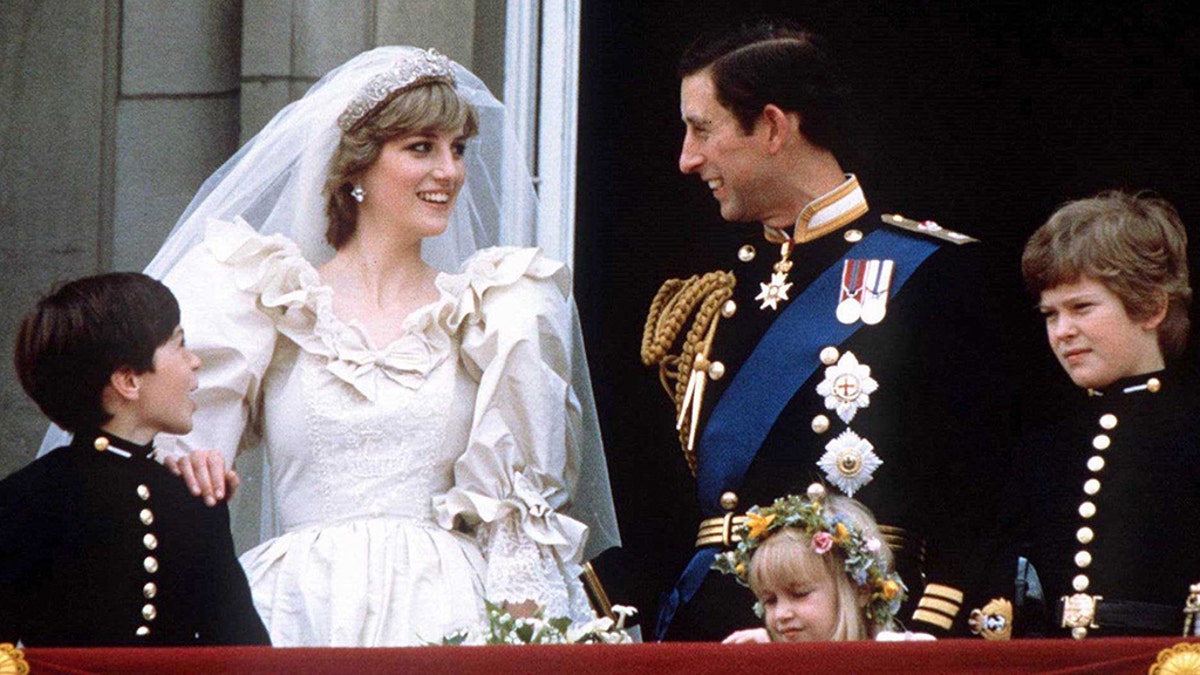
pixel 844 346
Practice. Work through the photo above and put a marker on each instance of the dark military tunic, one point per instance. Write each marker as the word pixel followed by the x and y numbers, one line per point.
pixel 98 549
pixel 934 421
pixel 1105 503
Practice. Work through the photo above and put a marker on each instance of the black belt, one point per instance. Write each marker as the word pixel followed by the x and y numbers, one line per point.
pixel 1134 615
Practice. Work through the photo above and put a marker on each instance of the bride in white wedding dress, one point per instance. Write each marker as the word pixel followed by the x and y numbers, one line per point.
pixel 419 395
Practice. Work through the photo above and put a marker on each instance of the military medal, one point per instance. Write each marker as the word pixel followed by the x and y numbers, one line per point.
pixel 875 290
pixel 849 462
pixel 777 290
pixel 847 386
pixel 849 307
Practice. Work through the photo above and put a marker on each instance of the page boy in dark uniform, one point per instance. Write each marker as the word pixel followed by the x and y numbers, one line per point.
pixel 99 544
pixel 1101 536
pixel 841 344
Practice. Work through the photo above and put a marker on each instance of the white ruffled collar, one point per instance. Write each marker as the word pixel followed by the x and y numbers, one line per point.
pixel 290 291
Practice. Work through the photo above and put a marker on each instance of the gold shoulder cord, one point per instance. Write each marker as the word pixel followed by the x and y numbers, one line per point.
pixel 704 299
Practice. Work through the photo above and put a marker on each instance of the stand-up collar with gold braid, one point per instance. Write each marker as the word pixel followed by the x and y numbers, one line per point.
pixel 840 206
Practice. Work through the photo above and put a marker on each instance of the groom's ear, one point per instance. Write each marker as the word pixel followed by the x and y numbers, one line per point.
pixel 779 126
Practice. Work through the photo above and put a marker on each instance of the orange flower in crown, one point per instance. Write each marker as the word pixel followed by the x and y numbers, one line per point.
pixel 758 525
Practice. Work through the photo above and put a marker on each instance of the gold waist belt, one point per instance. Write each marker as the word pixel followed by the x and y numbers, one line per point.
pixel 718 531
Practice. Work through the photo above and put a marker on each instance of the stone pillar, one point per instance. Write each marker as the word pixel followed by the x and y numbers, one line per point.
pixel 177 114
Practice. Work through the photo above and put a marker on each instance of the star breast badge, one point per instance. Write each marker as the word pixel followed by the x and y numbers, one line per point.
pixel 849 462
pixel 847 386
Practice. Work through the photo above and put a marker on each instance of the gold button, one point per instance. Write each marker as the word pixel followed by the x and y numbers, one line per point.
pixel 1153 385
pixel 1087 509
pixel 148 612
pixel 746 253
pixel 815 492
pixel 1083 559
pixel 728 309
pixel 716 370
pixel 143 492
pixel 150 541
pixel 150 590
pixel 1085 535
pixel 1101 442
pixel 146 516
pixel 1080 582
pixel 729 501
pixel 1091 486
pixel 1095 463
pixel 1078 632
pixel 143 631
pixel 1108 421
pixel 853 236
pixel 829 355
pixel 100 444
pixel 820 424
pixel 150 564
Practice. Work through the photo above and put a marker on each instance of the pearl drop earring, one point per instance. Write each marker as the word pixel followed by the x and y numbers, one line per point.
pixel 358 193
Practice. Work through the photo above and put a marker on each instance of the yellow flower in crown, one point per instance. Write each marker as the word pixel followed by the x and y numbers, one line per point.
pixel 889 589
pixel 840 533
pixel 758 525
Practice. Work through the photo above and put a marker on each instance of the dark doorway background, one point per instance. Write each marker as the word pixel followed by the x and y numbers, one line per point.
pixel 980 115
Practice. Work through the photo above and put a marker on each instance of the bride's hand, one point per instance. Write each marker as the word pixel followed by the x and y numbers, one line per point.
pixel 205 474
pixel 521 610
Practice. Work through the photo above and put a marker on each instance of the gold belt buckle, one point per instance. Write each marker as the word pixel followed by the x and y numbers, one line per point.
pixel 1079 610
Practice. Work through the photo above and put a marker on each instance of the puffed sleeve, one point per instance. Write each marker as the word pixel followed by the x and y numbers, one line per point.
pixel 520 465
pixel 217 284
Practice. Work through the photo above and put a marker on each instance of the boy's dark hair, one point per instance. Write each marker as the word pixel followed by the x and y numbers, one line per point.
pixel 81 333
pixel 771 61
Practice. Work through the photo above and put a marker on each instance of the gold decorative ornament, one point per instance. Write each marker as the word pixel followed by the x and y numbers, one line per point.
pixel 150 590
pixel 1083 559
pixel 703 300
pixel 1095 464
pixel 1080 582
pixel 1087 510
pixel 1091 486
pixel 1191 607
pixel 747 253
pixel 146 516
pixel 1101 442
pixel 729 308
pixel 1085 535
pixel 729 501
pixel 1180 659
pixel 12 660
pixel 1079 612
pixel 100 444
pixel 853 236
pixel 143 492
pixel 1153 385
pixel 820 424
pixel 994 621
pixel 1108 421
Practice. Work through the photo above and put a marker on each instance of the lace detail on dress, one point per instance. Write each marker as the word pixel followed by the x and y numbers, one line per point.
pixel 519 570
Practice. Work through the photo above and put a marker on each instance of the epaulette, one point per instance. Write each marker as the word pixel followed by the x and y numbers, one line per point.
pixel 928 228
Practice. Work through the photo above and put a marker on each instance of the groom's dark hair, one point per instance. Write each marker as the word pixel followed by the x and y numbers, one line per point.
pixel 774 61
pixel 77 336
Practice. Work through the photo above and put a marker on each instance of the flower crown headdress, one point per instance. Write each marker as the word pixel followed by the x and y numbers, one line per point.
pixel 829 534
pixel 423 65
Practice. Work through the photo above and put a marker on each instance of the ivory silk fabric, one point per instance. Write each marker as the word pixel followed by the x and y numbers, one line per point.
pixel 410 481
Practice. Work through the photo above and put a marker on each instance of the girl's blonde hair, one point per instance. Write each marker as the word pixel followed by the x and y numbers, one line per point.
pixel 788 555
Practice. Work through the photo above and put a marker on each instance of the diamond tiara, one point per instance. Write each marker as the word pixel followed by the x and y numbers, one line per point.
pixel 425 65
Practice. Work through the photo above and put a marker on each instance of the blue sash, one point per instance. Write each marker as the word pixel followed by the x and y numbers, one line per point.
pixel 784 359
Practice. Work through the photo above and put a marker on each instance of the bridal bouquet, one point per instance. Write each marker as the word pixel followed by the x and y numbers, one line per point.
pixel 504 629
